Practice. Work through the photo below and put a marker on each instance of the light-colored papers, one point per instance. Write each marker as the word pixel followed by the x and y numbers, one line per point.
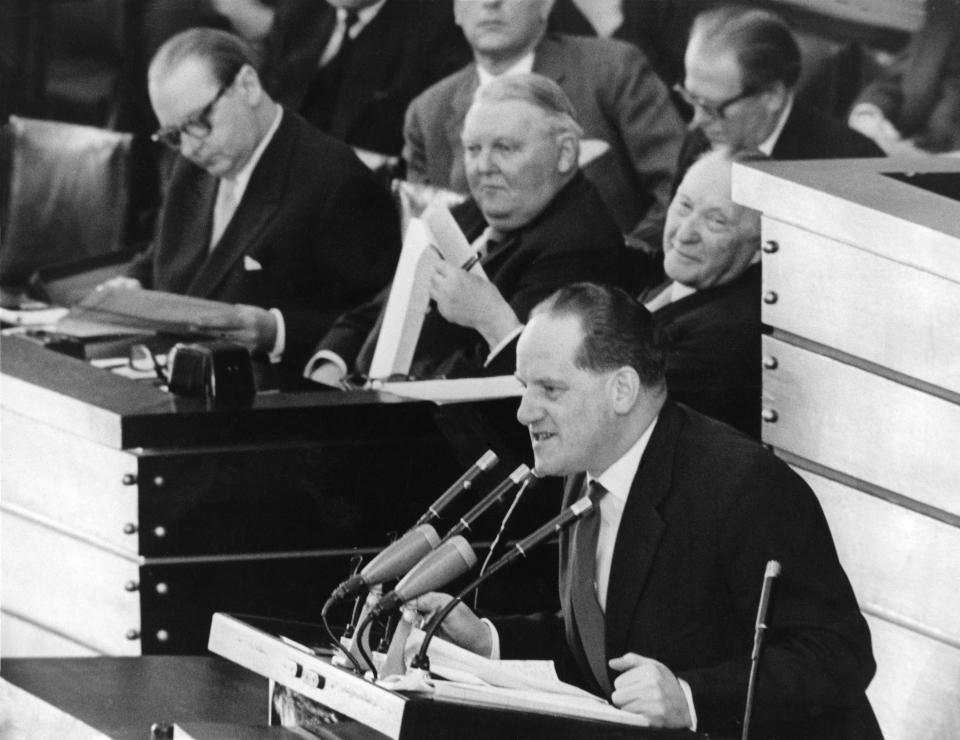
pixel 407 305
pixel 478 680
pixel 451 242
pixel 456 390
pixel 153 310
pixel 446 657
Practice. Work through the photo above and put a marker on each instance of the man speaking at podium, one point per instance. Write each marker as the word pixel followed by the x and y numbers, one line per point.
pixel 659 587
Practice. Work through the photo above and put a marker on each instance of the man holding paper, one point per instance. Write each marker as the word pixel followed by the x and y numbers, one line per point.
pixel 261 210
pixel 535 221
pixel 659 588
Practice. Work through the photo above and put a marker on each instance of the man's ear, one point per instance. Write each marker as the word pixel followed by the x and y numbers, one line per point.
pixel 569 153
pixel 625 387
pixel 775 97
pixel 248 81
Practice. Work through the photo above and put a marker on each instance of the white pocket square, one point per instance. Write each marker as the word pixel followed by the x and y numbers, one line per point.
pixel 250 264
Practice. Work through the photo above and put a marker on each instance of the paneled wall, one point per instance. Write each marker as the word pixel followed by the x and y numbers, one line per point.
pixel 861 393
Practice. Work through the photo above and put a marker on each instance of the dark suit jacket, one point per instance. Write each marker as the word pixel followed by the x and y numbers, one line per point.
pixel 324 232
pixel 409 45
pixel 712 338
pixel 618 99
pixel 807 134
pixel 573 239
pixel 708 508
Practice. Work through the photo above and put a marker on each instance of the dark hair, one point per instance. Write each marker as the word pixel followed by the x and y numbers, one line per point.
pixel 765 47
pixel 617 330
pixel 223 52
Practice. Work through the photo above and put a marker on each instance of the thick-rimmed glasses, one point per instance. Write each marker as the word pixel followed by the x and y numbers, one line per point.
pixel 197 125
pixel 710 109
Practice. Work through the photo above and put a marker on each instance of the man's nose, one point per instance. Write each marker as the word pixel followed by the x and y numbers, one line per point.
pixel 700 118
pixel 527 411
pixel 189 144
pixel 484 161
pixel 687 230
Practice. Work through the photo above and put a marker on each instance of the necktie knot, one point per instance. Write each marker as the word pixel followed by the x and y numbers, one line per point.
pixel 350 19
pixel 595 492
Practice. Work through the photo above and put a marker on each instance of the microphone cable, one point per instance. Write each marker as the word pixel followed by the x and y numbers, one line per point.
pixel 532 480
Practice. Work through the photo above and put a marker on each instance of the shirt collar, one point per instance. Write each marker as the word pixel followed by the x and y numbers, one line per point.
pixel 524 64
pixel 364 16
pixel 767 145
pixel 241 179
pixel 618 478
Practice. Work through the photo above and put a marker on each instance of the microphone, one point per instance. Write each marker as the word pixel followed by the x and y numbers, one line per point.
pixel 463 483
pixel 450 560
pixel 772 571
pixel 392 562
pixel 564 519
pixel 518 476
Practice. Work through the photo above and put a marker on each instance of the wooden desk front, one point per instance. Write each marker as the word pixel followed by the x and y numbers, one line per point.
pixel 129 516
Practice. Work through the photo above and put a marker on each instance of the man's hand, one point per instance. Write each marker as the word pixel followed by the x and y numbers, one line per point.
pixel 120 281
pixel 461 627
pixel 252 326
pixel 647 687
pixel 469 300
pixel 327 372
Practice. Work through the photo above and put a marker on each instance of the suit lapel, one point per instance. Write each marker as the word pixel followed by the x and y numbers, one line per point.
pixel 641 529
pixel 259 204
pixel 459 104
pixel 549 60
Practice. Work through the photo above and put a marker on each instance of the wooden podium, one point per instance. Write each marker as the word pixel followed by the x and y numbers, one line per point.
pixel 861 395
pixel 283 652
pixel 128 515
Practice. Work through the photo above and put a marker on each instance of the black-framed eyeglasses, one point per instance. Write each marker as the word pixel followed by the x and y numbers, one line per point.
pixel 198 125
pixel 716 111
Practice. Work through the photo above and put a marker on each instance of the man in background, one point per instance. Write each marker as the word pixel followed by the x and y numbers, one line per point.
pixel 742 66
pixel 535 219
pixel 708 312
pixel 632 132
pixel 261 210
pixel 351 67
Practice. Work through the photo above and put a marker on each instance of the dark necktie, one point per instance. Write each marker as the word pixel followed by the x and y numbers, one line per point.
pixel 586 608
pixel 320 101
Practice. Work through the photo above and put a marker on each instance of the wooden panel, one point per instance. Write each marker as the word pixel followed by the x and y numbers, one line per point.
pixel 67 479
pixel 868 306
pixel 59 410
pixel 901 563
pixel 69 586
pixel 852 200
pixel 871 428
pixel 20 638
pixel 916 692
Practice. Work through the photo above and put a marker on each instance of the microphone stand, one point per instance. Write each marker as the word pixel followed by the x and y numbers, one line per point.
pixel 772 571
pixel 422 661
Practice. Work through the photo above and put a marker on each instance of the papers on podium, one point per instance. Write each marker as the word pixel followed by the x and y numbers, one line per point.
pixel 527 685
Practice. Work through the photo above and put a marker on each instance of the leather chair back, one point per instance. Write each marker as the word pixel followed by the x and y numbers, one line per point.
pixel 66 198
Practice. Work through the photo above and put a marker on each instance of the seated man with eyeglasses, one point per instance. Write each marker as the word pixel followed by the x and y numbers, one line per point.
pixel 261 209
pixel 742 65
